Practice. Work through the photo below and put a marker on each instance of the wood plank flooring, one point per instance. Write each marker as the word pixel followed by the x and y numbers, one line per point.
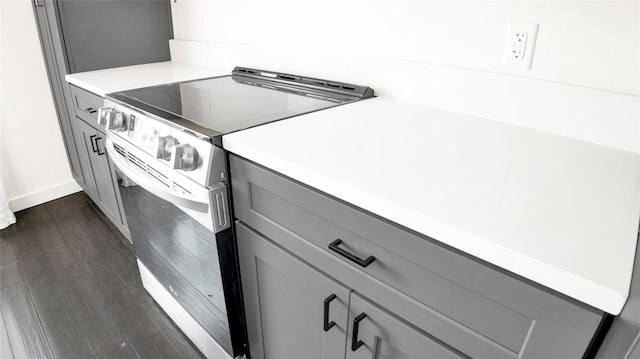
pixel 70 288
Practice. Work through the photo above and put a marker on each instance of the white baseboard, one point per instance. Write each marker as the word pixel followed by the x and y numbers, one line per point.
pixel 48 194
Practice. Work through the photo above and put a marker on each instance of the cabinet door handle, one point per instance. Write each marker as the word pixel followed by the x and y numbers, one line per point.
pixel 328 325
pixel 93 142
pixel 91 110
pixel 100 153
pixel 359 261
pixel 355 343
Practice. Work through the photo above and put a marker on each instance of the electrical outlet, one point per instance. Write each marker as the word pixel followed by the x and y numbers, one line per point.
pixel 521 40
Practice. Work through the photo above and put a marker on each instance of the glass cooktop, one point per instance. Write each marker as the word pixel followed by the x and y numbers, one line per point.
pixel 230 103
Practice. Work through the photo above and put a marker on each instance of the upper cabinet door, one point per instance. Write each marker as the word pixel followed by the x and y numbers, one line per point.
pixel 288 303
pixel 102 34
pixel 377 334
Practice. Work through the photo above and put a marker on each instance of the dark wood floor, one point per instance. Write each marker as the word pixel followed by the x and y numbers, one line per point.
pixel 69 288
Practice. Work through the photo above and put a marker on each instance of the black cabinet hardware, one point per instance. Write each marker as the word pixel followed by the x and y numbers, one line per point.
pixel 359 261
pixel 100 152
pixel 328 325
pixel 355 343
pixel 95 146
pixel 93 142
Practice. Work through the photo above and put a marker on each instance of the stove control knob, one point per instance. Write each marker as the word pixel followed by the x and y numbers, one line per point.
pixel 184 157
pixel 102 115
pixel 116 121
pixel 164 147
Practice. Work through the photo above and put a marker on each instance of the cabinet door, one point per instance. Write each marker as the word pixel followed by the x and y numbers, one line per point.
pixel 85 150
pixel 285 303
pixel 381 335
pixel 104 34
pixel 94 142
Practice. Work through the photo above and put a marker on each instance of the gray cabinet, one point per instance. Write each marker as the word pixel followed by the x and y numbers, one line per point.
pixel 382 335
pixel 285 301
pixel 467 307
pixel 90 35
pixel 53 53
pixel 100 175
pixel 85 133
pixel 86 105
pixel 101 34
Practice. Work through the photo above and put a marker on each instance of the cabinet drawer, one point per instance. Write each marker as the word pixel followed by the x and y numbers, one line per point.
pixel 86 105
pixel 479 309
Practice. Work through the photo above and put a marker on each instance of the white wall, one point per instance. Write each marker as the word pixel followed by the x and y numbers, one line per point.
pixel 33 163
pixel 584 81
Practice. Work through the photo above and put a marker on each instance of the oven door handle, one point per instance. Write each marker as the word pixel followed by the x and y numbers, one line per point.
pixel 141 180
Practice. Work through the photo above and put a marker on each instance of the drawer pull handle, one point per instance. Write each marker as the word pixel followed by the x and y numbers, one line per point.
pixel 359 261
pixel 355 343
pixel 91 110
pixel 93 140
pixel 328 325
pixel 100 152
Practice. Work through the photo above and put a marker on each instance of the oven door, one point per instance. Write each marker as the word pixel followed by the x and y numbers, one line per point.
pixel 176 228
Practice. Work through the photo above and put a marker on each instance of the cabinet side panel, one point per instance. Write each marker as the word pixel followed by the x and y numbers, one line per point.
pixel 49 45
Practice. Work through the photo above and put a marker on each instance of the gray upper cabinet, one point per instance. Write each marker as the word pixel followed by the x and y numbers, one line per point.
pixel 102 34
pixel 446 300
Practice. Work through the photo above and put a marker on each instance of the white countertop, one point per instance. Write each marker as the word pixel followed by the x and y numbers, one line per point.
pixel 560 212
pixel 102 82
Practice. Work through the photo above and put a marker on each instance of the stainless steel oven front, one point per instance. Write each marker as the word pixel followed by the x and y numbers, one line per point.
pixel 180 227
pixel 166 143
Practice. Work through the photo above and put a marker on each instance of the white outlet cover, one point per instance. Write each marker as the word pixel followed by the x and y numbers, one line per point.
pixel 516 54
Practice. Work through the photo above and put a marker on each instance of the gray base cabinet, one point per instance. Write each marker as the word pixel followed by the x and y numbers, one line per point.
pixel 84 134
pixel 284 303
pixel 99 171
pixel 384 336
pixel 410 296
pixel 99 176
